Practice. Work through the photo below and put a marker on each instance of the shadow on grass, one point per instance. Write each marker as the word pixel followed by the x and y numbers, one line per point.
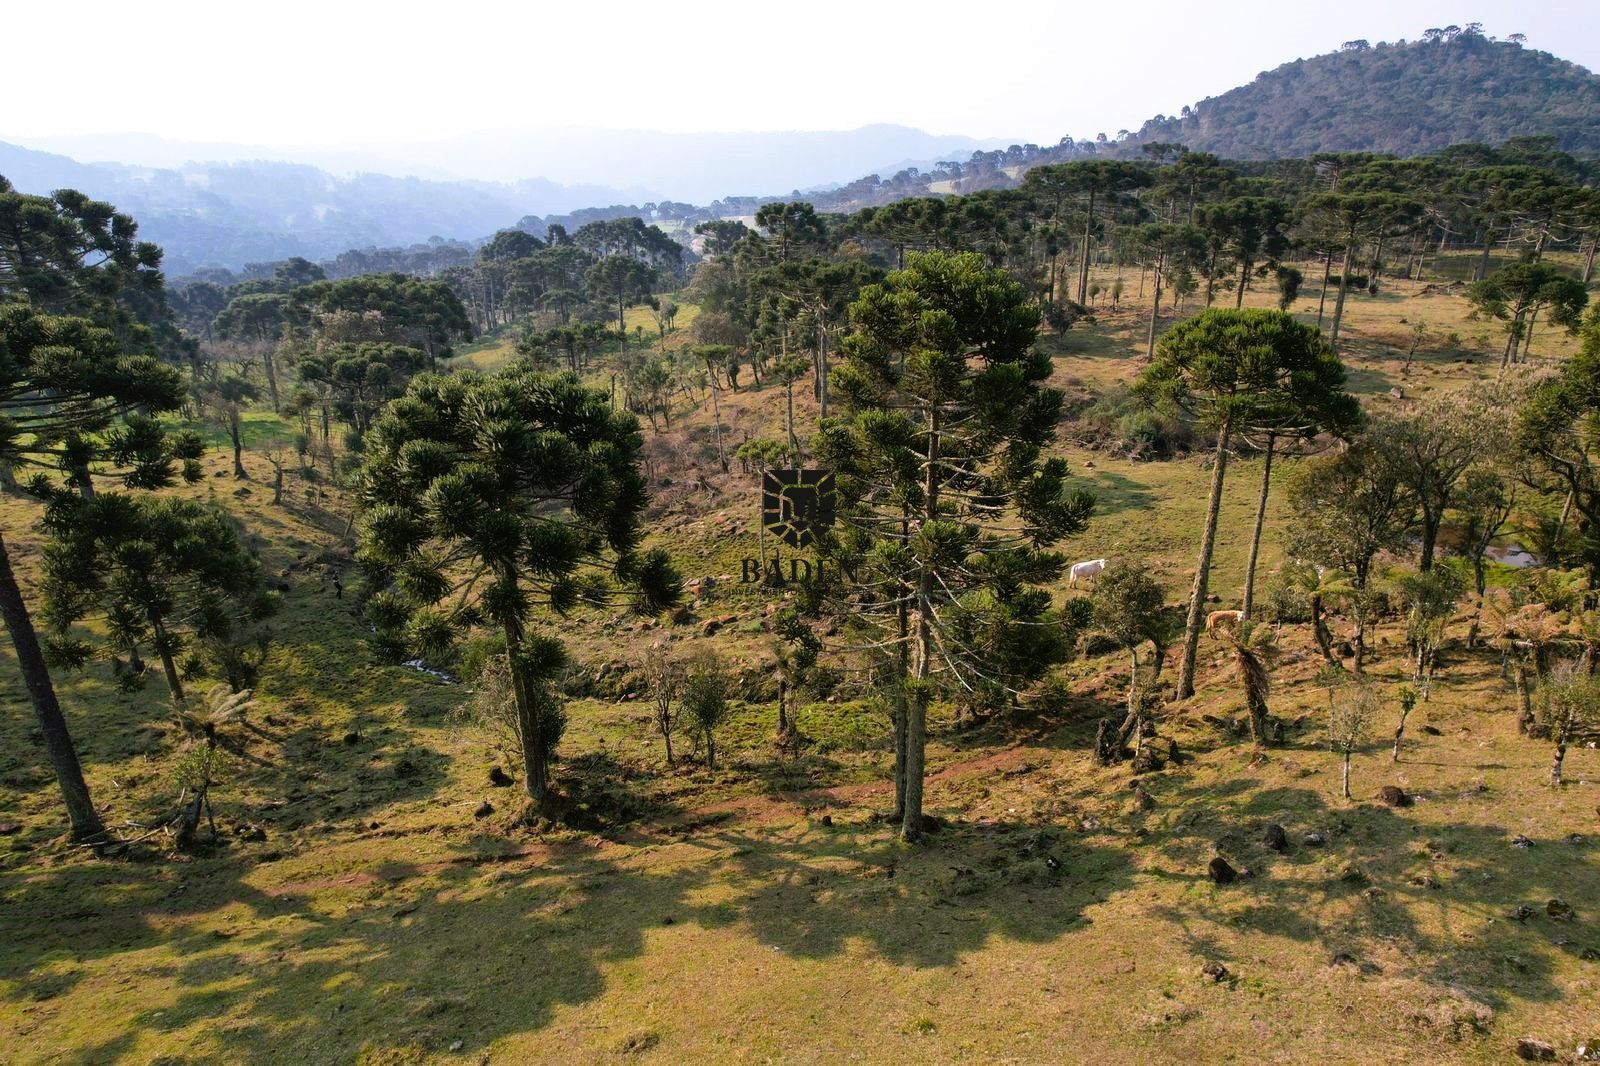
pixel 424 955
pixel 1380 883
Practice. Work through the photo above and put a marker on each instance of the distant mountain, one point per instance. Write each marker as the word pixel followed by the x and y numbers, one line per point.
pixel 241 208
pixel 1402 98
pixel 642 165
pixel 229 214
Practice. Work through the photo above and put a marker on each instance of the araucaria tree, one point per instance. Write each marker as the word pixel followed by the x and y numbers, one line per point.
pixel 161 571
pixel 1235 370
pixel 72 400
pixel 947 501
pixel 486 499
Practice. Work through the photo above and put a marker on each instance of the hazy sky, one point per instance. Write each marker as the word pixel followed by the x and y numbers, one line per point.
pixel 329 72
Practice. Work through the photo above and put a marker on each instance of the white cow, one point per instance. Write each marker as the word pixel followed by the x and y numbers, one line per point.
pixel 1088 569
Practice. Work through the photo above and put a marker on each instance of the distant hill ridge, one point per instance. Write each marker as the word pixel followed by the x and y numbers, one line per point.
pixel 1404 98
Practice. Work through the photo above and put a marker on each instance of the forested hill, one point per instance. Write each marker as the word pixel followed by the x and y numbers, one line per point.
pixel 1404 98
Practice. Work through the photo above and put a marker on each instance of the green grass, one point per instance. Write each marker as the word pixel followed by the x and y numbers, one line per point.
pixel 713 915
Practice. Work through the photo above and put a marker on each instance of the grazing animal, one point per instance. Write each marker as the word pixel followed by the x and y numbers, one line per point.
pixel 1088 569
pixel 1222 618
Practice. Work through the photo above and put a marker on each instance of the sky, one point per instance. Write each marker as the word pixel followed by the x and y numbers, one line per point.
pixel 326 73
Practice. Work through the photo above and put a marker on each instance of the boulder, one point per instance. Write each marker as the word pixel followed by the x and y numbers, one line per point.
pixel 1394 796
pixel 1215 971
pixel 483 810
pixel 1560 910
pixel 1221 871
pixel 498 777
pixel 1533 1050
pixel 1275 838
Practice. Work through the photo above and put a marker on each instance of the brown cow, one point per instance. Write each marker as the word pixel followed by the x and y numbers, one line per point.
pixel 1221 618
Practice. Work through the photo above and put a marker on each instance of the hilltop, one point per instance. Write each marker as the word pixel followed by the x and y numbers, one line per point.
pixel 1404 98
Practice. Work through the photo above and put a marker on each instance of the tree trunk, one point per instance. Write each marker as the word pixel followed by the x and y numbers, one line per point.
pixel 81 814
pixel 1319 629
pixel 1197 597
pixel 1338 303
pixel 922 659
pixel 1345 781
pixel 1588 259
pixel 1360 640
pixel 1155 310
pixel 168 667
pixel 269 363
pixel 1431 521
pixel 1322 298
pixel 788 419
pixel 1083 266
pixel 902 674
pixel 711 750
pixel 277 483
pixel 716 411
pixel 1244 282
pixel 1255 537
pixel 1400 731
pixel 535 769
pixel 236 434
pixel 1562 737
pixel 1519 677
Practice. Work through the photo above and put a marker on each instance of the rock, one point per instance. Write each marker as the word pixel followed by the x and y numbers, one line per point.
pixel 483 811
pixel 1433 731
pixel 1142 799
pixel 1520 841
pixel 1215 971
pixel 1590 955
pixel 1560 910
pixel 1394 796
pixel 1588 1051
pixel 8 828
pixel 1535 1050
pixel 1397 394
pixel 1570 838
pixel 250 832
pixel 827 821
pixel 1353 875
pixel 1221 872
pixel 457 1045
pixel 1090 824
pixel 1275 838
pixel 678 616
pixel 1344 958
pixel 669 920
pixel 1520 913
pixel 710 626
pixel 1425 881
pixel 498 777
pixel 352 737
pixel 1315 840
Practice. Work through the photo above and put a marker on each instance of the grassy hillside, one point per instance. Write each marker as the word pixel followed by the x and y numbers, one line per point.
pixel 373 898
